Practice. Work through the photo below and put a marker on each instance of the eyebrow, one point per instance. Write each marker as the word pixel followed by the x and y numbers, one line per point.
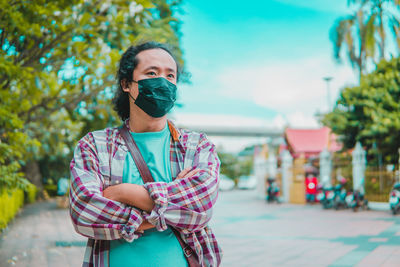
pixel 157 68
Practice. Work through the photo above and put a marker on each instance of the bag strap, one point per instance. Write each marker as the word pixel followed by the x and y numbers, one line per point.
pixel 136 155
pixel 148 178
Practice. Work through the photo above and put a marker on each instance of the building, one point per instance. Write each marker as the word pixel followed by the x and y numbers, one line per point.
pixel 311 142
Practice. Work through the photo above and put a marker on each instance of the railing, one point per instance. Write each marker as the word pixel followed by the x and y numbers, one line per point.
pixel 378 184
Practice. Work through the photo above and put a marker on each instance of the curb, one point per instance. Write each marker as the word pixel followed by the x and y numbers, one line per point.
pixel 382 206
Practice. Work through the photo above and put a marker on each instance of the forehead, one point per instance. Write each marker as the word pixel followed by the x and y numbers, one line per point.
pixel 155 57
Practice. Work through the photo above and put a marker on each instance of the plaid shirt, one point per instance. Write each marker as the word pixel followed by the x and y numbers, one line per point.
pixel 186 204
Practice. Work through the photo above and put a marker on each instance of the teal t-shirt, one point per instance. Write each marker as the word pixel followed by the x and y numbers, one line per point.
pixel 153 248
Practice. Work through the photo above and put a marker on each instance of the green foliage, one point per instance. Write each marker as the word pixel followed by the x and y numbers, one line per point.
pixel 370 112
pixel 12 200
pixel 30 193
pixel 364 33
pixel 10 177
pixel 233 167
pixel 228 165
pixel 246 166
pixel 10 203
pixel 51 189
pixel 57 65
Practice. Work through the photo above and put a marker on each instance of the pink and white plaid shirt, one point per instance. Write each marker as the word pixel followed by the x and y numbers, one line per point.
pixel 186 204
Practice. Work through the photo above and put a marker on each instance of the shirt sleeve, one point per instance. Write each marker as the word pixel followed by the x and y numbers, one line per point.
pixel 93 215
pixel 187 203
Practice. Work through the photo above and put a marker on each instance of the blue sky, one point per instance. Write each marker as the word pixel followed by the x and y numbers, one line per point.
pixel 259 62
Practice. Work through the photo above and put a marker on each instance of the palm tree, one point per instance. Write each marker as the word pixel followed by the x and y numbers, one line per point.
pixel 364 33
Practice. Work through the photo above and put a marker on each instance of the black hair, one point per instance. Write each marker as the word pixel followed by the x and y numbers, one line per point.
pixel 127 65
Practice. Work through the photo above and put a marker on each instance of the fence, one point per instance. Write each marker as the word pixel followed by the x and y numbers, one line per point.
pixel 378 182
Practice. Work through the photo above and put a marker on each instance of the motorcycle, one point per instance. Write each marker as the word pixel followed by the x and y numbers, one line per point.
pixel 356 201
pixel 340 195
pixel 349 198
pixel 394 199
pixel 272 191
pixel 326 197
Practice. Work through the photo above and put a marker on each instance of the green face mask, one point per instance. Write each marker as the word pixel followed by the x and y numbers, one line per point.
pixel 156 96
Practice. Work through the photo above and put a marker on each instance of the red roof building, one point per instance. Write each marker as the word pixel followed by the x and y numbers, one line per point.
pixel 311 142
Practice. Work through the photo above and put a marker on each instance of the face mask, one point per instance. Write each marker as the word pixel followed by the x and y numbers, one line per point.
pixel 156 96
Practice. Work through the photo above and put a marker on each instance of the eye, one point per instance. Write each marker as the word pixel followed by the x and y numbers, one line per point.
pixel 151 73
pixel 171 76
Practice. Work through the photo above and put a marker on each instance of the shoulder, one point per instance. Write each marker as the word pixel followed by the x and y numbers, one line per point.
pixel 102 137
pixel 194 139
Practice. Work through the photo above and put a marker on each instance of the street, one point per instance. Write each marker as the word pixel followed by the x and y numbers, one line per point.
pixel 251 233
pixel 254 233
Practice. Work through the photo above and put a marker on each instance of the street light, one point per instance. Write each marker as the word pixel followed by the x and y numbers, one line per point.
pixel 328 80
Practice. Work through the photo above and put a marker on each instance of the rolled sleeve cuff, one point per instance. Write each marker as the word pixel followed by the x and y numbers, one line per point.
pixel 129 230
pixel 159 193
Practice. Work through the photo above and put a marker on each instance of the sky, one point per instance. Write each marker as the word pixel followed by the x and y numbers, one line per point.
pixel 259 63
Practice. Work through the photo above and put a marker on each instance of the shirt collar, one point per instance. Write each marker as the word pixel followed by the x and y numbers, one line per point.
pixel 175 132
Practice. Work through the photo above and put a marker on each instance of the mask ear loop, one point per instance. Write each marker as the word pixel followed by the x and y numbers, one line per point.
pixel 132 97
pixel 130 93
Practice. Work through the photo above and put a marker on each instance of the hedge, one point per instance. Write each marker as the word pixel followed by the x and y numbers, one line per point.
pixel 12 200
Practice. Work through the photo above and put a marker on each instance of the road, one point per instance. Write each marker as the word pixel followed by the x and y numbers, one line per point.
pixel 253 233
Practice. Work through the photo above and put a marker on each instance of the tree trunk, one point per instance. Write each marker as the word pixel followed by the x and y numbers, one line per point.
pixel 381 32
pixel 33 174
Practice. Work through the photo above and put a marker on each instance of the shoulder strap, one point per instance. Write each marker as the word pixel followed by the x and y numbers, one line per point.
pixel 147 178
pixel 136 155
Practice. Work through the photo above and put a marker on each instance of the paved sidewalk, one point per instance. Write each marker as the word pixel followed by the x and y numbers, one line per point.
pixel 42 235
pixel 251 232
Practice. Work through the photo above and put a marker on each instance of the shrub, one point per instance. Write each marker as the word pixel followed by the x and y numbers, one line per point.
pixel 30 194
pixel 51 189
pixel 10 202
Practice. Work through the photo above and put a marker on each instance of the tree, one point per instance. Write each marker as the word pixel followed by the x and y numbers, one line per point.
pixel 57 66
pixel 370 112
pixel 365 32
pixel 233 166
pixel 229 164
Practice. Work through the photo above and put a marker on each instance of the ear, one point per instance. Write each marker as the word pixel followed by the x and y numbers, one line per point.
pixel 125 86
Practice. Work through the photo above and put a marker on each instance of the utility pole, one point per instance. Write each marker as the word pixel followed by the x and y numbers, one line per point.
pixel 328 80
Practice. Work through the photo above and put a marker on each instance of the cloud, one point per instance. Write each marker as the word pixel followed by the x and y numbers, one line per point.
pixel 197 119
pixel 294 120
pixel 300 120
pixel 287 87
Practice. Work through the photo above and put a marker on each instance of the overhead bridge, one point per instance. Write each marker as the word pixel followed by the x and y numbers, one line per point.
pixel 237 131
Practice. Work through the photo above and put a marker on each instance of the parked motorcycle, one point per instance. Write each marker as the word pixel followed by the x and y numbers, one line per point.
pixel 394 199
pixel 326 197
pixel 357 200
pixel 349 198
pixel 340 195
pixel 272 191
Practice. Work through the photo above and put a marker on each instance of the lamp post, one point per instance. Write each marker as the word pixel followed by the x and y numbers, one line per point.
pixel 328 80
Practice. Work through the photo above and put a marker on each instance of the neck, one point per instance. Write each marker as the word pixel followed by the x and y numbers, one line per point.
pixel 140 122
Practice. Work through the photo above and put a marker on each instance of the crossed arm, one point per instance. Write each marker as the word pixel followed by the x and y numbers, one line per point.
pixel 185 203
pixel 137 196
